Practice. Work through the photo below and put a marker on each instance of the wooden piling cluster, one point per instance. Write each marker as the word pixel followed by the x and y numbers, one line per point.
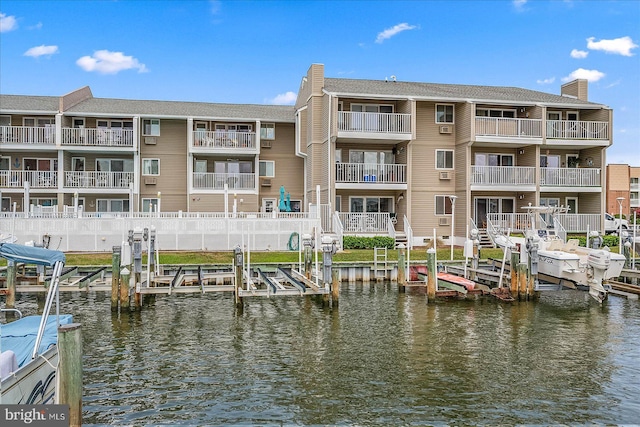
pixel 522 281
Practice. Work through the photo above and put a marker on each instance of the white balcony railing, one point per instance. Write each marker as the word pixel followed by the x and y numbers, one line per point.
pixel 570 177
pixel 503 175
pixel 224 139
pixel 113 180
pixel 352 121
pixel 216 181
pixel 577 129
pixel 36 179
pixel 371 173
pixel 101 137
pixel 518 222
pixel 504 127
pixel 377 222
pixel 27 135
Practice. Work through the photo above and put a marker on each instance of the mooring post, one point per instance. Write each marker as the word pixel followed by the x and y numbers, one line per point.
pixel 328 249
pixel 522 282
pixel 138 235
pixel 532 278
pixel 11 285
pixel 402 266
pixel 335 287
pixel 515 258
pixel 431 273
pixel 307 242
pixel 115 277
pixel 70 371
pixel 238 261
pixel 125 274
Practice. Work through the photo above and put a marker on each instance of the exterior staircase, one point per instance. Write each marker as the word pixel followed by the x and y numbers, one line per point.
pixel 485 239
pixel 401 237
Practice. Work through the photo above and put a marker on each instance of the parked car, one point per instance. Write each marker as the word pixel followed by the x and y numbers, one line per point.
pixel 612 224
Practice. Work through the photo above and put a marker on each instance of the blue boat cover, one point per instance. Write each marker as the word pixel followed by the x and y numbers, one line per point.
pixel 20 336
pixel 30 254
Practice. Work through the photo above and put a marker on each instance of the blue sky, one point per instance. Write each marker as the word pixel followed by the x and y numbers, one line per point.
pixel 257 51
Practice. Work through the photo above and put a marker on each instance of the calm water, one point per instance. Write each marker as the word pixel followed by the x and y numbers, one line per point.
pixel 382 358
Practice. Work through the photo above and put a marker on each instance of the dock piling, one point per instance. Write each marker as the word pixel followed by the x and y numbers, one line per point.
pixel 515 273
pixel 70 371
pixel 115 277
pixel 431 274
pixel 238 260
pixel 11 285
pixel 125 275
pixel 401 267
pixel 335 287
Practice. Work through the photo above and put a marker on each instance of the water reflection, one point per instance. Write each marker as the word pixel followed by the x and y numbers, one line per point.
pixel 382 358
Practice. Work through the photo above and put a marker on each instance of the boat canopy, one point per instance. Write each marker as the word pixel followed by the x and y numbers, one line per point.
pixel 30 254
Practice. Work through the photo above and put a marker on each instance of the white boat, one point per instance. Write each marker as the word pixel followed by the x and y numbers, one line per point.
pixel 562 258
pixel 29 357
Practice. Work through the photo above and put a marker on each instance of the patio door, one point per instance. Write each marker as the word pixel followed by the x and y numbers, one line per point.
pixel 491 205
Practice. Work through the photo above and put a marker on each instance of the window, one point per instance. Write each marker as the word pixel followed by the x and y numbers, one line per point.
pixel 490 159
pixel 5 161
pixel 267 131
pixel 267 168
pixel 5 120
pixel 150 205
pixel 372 108
pixel 444 159
pixel 114 165
pixel 112 205
pixel 549 161
pixel 150 166
pixel 78 123
pixel 77 164
pixel 443 205
pixel 444 113
pixel 483 112
pixel 151 127
pixel 371 204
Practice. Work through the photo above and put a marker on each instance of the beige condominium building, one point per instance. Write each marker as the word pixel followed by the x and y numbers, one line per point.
pixel 388 157
pixel 623 189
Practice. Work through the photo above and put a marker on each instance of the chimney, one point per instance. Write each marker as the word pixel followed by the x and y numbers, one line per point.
pixel 578 88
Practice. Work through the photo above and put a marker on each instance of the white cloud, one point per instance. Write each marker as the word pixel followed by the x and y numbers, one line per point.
pixel 390 32
pixel 41 51
pixel 7 23
pixel 287 98
pixel 106 62
pixel 519 4
pixel 38 26
pixel 581 73
pixel 579 54
pixel 621 46
pixel 546 81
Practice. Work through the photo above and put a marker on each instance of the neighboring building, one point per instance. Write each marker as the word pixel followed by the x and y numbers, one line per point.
pixel 387 155
pixel 623 181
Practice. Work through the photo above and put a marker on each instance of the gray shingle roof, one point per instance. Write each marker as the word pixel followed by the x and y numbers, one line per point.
pixel 179 109
pixel 128 107
pixel 444 92
pixel 46 104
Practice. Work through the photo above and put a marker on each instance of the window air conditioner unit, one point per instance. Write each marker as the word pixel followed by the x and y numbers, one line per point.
pixel 265 144
pixel 445 129
pixel 445 175
pixel 444 220
pixel 150 180
pixel 150 140
pixel 265 183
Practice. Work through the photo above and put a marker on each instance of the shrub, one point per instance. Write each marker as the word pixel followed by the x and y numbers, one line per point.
pixel 356 242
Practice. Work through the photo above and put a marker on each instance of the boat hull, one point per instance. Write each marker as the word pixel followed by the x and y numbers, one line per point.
pixel 34 383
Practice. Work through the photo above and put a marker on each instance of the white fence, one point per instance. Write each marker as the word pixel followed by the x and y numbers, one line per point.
pixel 192 233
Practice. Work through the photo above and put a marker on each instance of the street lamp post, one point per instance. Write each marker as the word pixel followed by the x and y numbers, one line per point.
pixel 620 200
pixel 453 220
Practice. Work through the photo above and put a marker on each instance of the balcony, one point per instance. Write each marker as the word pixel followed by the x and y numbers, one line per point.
pixel 519 222
pixel 209 141
pixel 577 130
pixel 560 178
pixel 490 128
pixel 216 181
pixel 503 176
pixel 388 126
pixel 371 222
pixel 97 137
pixel 101 180
pixel 36 179
pixel 27 135
pixel 371 175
